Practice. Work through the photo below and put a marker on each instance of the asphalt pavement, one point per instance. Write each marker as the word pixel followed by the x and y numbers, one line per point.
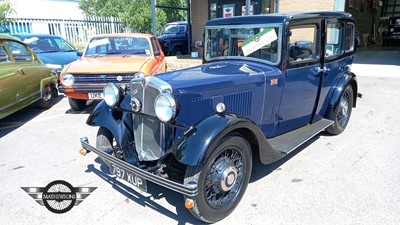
pixel 352 178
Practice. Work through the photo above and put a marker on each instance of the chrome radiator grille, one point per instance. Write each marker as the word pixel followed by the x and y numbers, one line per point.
pixel 149 133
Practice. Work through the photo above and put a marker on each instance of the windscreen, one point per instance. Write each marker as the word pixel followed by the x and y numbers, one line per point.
pixel 258 42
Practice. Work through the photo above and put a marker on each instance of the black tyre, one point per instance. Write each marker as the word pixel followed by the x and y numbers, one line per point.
pixel 222 180
pixel 342 112
pixel 105 141
pixel 48 100
pixel 177 51
pixel 77 104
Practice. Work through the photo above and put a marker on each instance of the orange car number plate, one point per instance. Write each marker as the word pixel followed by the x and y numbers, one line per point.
pixel 95 95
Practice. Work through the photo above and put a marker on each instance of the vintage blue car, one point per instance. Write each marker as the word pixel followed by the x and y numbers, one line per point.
pixel 268 84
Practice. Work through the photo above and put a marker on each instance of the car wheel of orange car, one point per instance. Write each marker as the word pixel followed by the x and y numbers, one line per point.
pixel 47 101
pixel 77 104
pixel 223 179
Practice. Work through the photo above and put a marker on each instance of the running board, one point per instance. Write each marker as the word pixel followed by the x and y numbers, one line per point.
pixel 288 142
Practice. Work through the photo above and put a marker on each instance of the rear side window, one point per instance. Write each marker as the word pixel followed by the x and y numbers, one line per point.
pixel 334 39
pixel 349 37
pixel 19 51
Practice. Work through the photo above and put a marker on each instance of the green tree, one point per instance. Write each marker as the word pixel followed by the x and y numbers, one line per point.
pixel 5 11
pixel 135 14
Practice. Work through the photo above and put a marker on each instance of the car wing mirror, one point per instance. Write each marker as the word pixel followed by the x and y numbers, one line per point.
pixel 198 44
pixel 79 53
pixel 157 53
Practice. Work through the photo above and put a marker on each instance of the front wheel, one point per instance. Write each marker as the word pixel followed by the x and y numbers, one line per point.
pixel 222 181
pixel 77 104
pixel 342 112
pixel 105 141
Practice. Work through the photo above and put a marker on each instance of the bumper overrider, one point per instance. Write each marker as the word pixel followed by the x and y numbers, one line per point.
pixel 190 190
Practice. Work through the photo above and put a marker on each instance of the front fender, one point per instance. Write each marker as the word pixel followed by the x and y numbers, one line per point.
pixel 196 145
pixel 117 122
pixel 345 79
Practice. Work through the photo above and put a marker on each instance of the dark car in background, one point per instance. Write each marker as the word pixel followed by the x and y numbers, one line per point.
pixel 392 34
pixel 273 83
pixel 52 50
pixel 174 38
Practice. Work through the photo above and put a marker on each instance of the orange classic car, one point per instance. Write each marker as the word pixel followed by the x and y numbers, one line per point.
pixel 109 58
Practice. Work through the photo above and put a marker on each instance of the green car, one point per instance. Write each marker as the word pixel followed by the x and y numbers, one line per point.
pixel 24 79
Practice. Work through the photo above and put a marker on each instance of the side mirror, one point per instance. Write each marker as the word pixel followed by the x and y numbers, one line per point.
pixel 198 44
pixel 157 53
pixel 79 53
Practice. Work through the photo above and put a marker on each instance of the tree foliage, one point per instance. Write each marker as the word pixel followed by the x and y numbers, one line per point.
pixel 135 14
pixel 5 11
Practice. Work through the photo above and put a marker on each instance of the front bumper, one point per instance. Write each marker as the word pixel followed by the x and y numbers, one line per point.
pixel 172 185
pixel 84 89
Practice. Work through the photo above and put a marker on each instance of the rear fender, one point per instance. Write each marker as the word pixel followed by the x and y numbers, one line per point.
pixel 197 144
pixel 345 79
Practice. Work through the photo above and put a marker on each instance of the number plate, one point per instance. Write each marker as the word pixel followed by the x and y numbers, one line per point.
pixel 132 178
pixel 96 95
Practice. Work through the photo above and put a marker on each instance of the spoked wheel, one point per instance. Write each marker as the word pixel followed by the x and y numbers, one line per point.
pixel 222 181
pixel 342 112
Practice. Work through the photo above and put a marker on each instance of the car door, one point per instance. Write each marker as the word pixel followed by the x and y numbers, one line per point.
pixel 338 53
pixel 12 84
pixel 302 78
pixel 26 69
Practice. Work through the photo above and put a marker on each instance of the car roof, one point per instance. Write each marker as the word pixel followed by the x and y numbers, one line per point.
pixel 123 35
pixel 277 18
pixel 9 37
pixel 34 35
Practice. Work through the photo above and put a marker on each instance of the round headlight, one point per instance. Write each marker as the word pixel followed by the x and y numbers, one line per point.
pixel 165 107
pixel 68 79
pixel 139 75
pixel 112 94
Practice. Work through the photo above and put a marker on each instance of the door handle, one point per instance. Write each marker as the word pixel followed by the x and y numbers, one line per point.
pixel 323 70
pixel 21 71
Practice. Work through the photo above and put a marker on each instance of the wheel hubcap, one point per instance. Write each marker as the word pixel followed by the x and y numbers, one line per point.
pixel 224 178
pixel 343 110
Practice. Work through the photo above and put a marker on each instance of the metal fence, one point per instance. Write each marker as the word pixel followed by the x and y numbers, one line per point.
pixel 74 31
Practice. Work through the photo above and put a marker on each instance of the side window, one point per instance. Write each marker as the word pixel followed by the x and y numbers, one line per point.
pixel 3 54
pixel 19 51
pixel 303 44
pixel 334 42
pixel 154 44
pixel 349 37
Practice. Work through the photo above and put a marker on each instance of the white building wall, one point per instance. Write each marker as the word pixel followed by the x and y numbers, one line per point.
pixel 47 9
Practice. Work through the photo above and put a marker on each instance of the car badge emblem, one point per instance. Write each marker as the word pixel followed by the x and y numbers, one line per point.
pixel 119 78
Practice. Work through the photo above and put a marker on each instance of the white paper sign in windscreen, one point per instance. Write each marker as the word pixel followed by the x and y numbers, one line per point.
pixel 258 41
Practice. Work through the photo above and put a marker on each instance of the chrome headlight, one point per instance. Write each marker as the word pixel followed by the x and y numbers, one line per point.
pixel 68 79
pixel 112 94
pixel 139 75
pixel 165 107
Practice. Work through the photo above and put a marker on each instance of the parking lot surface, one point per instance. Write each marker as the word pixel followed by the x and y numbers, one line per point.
pixel 352 178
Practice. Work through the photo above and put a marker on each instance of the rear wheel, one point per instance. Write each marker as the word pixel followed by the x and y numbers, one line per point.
pixel 47 101
pixel 222 181
pixel 77 104
pixel 342 112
